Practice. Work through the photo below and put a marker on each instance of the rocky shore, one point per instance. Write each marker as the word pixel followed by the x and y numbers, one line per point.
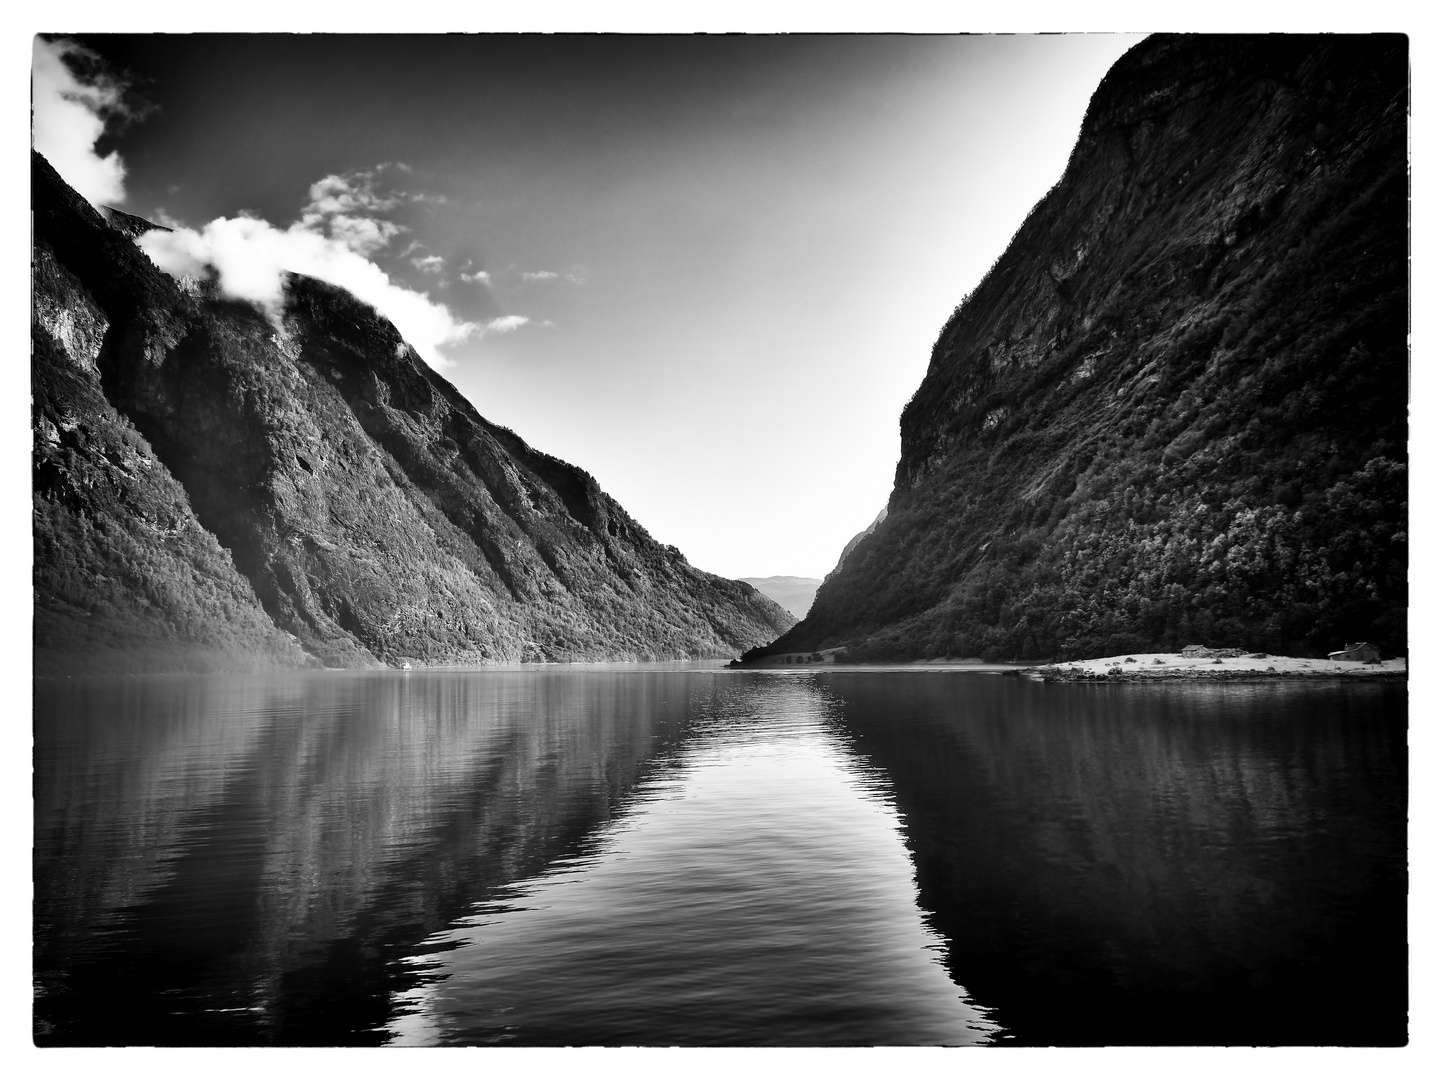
pixel 1198 662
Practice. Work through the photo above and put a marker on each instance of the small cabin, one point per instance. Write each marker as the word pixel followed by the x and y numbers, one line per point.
pixel 1356 650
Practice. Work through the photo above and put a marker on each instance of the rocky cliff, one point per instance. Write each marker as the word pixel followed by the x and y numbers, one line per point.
pixel 1175 409
pixel 216 489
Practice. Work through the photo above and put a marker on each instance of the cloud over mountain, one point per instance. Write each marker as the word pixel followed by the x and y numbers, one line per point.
pixel 347 221
pixel 251 256
pixel 69 114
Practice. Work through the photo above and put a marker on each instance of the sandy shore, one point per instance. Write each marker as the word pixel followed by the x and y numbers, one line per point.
pixel 1138 666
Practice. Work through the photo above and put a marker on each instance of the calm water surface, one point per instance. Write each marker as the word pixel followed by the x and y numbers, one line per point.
pixel 696 856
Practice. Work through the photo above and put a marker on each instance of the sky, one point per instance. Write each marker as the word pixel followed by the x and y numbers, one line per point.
pixel 706 269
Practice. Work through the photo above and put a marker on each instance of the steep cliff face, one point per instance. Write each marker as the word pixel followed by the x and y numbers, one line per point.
pixel 211 485
pixel 124 572
pixel 1175 409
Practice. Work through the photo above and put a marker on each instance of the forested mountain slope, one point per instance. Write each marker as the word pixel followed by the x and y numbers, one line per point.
pixel 213 490
pixel 1175 409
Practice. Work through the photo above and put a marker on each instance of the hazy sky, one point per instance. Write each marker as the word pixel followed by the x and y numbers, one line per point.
pixel 708 270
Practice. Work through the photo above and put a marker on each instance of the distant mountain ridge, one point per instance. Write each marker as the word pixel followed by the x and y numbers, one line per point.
pixel 212 490
pixel 792 593
pixel 1175 410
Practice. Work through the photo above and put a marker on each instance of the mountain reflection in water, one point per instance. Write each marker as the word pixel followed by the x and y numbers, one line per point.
pixel 253 860
pixel 1168 863
pixel 757 892
pixel 683 856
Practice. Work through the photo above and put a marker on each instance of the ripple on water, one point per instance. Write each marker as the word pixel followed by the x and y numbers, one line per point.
pixel 756 891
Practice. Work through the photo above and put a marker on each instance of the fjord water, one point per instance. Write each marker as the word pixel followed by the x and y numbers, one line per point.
pixel 697 856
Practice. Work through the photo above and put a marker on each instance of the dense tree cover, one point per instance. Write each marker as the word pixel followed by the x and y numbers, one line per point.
pixel 1175 410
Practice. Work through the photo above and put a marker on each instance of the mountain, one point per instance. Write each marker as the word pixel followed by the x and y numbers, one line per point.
pixel 855 540
pixel 1175 409
pixel 213 489
pixel 792 593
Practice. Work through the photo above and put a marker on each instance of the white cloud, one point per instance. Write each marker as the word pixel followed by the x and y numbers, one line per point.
pixel 348 209
pixel 539 275
pixel 69 115
pixel 251 256
pixel 482 276
pixel 339 228
pixel 363 235
pixel 428 264
pixel 505 324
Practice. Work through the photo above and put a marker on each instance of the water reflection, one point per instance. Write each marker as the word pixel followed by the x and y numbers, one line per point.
pixel 755 892
pixel 1220 863
pixel 696 855
pixel 623 856
pixel 243 860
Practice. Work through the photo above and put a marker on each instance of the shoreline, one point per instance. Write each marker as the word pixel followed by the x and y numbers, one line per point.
pixel 1195 664
pixel 1212 664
